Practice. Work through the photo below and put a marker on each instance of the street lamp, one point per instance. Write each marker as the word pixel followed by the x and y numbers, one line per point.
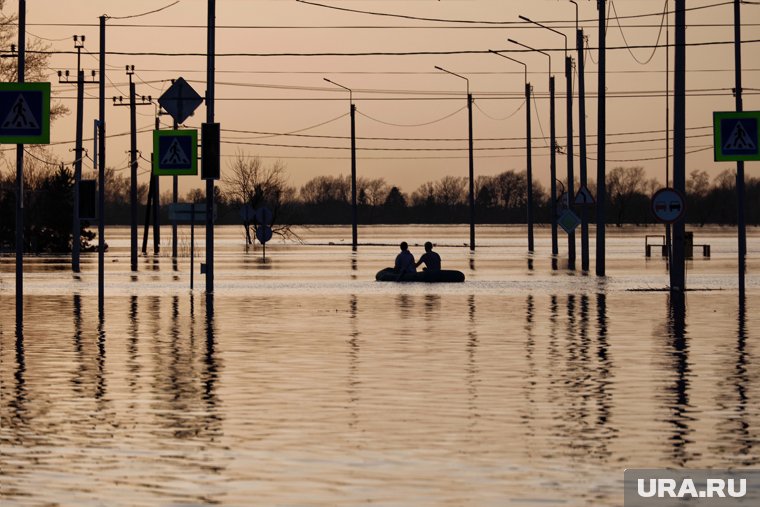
pixel 552 155
pixel 354 215
pixel 579 43
pixel 472 163
pixel 570 161
pixel 529 162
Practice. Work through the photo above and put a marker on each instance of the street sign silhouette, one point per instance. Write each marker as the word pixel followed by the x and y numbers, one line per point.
pixel 737 136
pixel 24 113
pixel 180 100
pixel 175 152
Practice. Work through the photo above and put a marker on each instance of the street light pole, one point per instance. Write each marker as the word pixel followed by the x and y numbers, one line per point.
pixel 552 155
pixel 570 159
pixel 529 162
pixel 740 187
pixel 601 140
pixel 354 212
pixel 472 161
pixel 579 43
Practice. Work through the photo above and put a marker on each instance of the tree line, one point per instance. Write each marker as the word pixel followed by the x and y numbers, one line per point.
pixel 326 199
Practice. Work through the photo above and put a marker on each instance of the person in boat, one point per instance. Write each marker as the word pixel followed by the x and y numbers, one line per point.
pixel 404 260
pixel 430 258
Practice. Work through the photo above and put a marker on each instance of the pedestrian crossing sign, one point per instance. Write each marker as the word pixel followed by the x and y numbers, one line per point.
pixel 24 113
pixel 737 136
pixel 175 152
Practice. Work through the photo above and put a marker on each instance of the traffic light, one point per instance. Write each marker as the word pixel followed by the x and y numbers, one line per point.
pixel 210 151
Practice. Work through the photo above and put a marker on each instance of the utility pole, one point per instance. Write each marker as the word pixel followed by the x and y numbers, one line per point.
pixel 579 43
pixel 472 173
pixel 102 168
pixel 570 175
pixel 553 171
pixel 678 262
pixel 740 190
pixel 529 168
pixel 132 104
pixel 529 162
pixel 530 158
pixel 20 177
pixel 210 119
pixel 76 227
pixel 472 160
pixel 354 213
pixel 601 187
pixel 175 196
pixel 570 160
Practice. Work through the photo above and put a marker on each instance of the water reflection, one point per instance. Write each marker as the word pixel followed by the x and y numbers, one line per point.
pixel 472 375
pixel 352 390
pixel 678 364
pixel 737 439
pixel 19 417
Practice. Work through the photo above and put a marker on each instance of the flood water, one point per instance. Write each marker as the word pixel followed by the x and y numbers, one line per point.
pixel 302 381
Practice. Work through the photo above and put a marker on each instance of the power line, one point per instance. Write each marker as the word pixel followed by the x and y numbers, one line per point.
pixel 657 42
pixel 376 53
pixel 481 22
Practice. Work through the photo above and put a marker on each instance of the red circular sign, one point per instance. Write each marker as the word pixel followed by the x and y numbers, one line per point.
pixel 668 205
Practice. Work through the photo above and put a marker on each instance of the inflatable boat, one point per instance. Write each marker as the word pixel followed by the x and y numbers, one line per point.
pixel 442 276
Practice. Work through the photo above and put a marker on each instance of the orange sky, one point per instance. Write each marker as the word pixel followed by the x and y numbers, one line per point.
pixel 281 94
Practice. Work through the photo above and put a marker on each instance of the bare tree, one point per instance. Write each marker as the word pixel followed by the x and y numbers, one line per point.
pixel 249 181
pixel 623 183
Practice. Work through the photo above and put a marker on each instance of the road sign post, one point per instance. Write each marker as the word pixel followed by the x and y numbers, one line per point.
pixel 668 205
pixel 187 212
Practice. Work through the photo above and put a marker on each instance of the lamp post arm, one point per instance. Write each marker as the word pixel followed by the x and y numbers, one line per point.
pixel 525 66
pixel 350 92
pixel 455 74
pixel 546 27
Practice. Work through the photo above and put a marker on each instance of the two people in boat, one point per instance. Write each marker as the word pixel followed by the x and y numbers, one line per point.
pixel 405 260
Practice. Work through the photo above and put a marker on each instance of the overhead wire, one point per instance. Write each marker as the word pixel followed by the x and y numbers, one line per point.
pixel 412 124
pixel 625 41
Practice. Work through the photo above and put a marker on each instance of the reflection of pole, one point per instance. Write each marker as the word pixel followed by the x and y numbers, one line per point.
pixel 678 262
pixel 601 150
pixel 582 146
pixel 102 167
pixel 740 191
pixel 20 177
pixel 210 119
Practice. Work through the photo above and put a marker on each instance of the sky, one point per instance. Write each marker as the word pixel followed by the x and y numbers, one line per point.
pixel 411 122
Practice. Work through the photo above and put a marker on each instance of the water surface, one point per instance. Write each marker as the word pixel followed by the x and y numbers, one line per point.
pixel 304 382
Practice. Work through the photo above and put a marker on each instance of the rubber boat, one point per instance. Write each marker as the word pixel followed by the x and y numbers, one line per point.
pixel 442 276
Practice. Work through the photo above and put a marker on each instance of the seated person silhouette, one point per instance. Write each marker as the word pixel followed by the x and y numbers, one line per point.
pixel 404 260
pixel 431 259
